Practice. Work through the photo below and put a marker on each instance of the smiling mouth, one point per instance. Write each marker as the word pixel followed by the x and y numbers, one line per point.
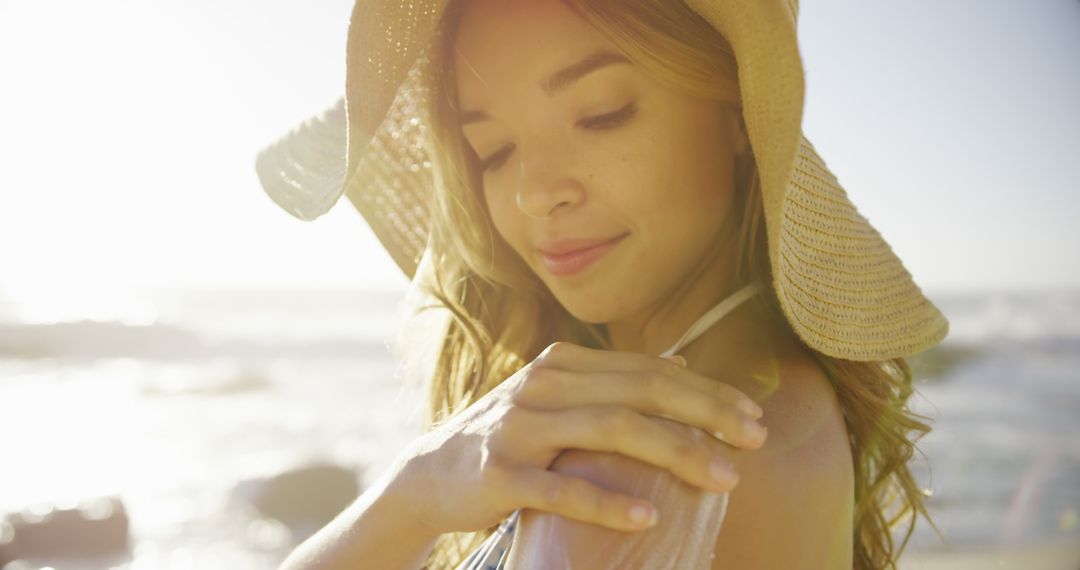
pixel 573 262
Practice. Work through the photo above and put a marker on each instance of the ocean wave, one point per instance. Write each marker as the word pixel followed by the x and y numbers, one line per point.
pixel 106 339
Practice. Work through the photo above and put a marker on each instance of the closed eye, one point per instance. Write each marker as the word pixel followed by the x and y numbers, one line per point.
pixel 594 123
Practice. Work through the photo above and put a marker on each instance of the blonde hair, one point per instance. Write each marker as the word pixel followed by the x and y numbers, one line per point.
pixel 501 316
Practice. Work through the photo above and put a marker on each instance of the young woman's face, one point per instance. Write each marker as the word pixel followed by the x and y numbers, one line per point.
pixel 606 155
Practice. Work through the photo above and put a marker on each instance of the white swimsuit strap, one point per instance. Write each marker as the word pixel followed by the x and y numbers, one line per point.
pixel 712 316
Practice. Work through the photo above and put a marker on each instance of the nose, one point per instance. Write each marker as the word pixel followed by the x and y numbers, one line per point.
pixel 543 185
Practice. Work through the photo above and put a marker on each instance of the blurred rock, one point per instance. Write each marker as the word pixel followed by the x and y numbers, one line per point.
pixel 304 499
pixel 95 527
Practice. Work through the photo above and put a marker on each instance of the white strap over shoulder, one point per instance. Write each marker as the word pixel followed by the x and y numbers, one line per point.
pixel 712 316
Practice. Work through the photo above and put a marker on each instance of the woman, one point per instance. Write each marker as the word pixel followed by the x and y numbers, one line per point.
pixel 654 142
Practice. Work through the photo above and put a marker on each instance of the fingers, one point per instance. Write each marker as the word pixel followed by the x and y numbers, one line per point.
pixel 651 393
pixel 621 430
pixel 578 499
pixel 567 355
pixel 576 358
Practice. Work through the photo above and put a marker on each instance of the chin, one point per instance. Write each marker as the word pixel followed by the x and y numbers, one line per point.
pixel 590 300
pixel 588 309
pixel 590 315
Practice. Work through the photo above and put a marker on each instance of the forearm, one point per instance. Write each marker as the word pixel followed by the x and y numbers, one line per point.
pixel 375 531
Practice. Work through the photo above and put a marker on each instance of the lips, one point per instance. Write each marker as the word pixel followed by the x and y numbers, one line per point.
pixel 570 256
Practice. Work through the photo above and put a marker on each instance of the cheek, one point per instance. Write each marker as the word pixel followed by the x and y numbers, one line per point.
pixel 676 198
pixel 505 216
pixel 658 188
pixel 689 185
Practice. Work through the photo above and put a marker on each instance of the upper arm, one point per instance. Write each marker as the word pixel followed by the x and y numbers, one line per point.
pixel 792 507
pixel 798 489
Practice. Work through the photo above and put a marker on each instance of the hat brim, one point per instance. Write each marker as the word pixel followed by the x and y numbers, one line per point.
pixel 841 287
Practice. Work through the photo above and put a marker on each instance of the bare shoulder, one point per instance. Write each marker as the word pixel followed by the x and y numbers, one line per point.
pixel 793 506
pixel 798 489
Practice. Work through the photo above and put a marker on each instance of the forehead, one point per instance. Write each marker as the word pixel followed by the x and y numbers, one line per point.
pixel 510 44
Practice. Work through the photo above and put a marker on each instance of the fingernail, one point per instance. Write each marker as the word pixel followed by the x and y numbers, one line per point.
pixel 723 473
pixel 642 514
pixel 678 359
pixel 754 430
pixel 750 408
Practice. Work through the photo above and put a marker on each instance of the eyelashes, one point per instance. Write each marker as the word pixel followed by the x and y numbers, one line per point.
pixel 610 120
pixel 595 123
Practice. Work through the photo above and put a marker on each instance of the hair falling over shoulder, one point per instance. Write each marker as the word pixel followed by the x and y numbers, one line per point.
pixel 500 316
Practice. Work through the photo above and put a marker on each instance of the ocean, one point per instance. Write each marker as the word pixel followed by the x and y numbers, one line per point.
pixel 170 398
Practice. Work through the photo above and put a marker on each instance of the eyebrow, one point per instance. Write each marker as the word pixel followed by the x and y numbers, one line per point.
pixel 559 80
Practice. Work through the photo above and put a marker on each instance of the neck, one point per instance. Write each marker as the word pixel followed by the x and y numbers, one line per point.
pixel 659 326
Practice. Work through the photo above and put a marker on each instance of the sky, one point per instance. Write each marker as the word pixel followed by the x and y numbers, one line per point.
pixel 129 130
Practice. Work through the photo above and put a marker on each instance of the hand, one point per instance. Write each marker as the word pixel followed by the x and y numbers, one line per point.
pixel 492 458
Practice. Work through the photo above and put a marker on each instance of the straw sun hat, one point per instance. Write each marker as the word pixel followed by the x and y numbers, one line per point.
pixel 840 286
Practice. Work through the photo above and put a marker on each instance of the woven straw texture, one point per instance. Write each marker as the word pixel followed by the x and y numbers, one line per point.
pixel 840 285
